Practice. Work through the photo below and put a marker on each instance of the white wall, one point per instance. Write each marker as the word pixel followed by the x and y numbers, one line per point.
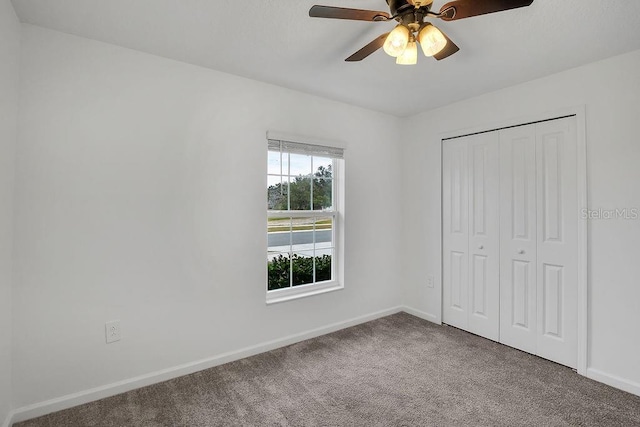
pixel 141 197
pixel 9 63
pixel 610 90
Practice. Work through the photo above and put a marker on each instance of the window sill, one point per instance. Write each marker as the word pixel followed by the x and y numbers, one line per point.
pixel 282 295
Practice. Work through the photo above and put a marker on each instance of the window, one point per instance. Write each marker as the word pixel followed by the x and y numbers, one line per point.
pixel 303 219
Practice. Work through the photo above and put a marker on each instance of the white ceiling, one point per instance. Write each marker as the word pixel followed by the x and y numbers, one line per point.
pixel 275 41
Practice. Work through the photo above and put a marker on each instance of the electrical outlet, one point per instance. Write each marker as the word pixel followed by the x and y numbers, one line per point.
pixel 112 331
pixel 430 280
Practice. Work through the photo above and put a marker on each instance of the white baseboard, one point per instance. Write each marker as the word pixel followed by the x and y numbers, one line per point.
pixel 614 381
pixel 43 408
pixel 421 314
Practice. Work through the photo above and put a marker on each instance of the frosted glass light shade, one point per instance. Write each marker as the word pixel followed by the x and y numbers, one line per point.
pixel 431 40
pixel 396 41
pixel 410 55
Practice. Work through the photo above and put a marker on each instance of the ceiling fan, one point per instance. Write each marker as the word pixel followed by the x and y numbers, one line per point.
pixel 413 28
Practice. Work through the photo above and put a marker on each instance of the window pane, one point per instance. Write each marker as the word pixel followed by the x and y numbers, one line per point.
pixel 300 189
pixel 323 234
pixel 273 164
pixel 299 165
pixel 302 234
pixel 323 167
pixel 278 271
pixel 279 235
pixel 277 193
pixel 323 266
pixel 302 268
pixel 323 248
pixel 322 194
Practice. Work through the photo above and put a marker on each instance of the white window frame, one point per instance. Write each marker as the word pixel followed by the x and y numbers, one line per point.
pixel 336 214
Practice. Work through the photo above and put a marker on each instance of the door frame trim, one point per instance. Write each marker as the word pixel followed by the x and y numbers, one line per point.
pixel 579 112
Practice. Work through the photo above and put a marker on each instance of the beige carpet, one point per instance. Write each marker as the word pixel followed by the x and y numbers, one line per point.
pixel 395 371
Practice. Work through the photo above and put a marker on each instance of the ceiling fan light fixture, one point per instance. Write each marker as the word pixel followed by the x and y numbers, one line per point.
pixel 431 39
pixel 410 54
pixel 397 41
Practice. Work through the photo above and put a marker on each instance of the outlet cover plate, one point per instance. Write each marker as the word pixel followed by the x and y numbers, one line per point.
pixel 112 331
pixel 430 280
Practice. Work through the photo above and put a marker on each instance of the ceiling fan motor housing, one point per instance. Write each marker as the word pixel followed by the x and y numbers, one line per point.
pixel 399 6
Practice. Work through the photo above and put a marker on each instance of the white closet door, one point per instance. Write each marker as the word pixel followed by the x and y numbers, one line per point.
pixel 484 229
pixel 557 213
pixel 455 233
pixel 518 237
pixel 510 233
pixel 471 181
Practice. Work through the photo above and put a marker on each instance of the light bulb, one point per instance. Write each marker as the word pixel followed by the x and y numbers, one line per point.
pixel 410 55
pixel 396 41
pixel 431 40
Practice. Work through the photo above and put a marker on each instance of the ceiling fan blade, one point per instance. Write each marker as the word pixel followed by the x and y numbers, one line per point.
pixel 368 49
pixel 466 8
pixel 448 50
pixel 344 13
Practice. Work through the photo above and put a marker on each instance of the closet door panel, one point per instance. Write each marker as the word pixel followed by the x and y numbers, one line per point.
pixel 484 223
pixel 455 233
pixel 518 290
pixel 557 227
